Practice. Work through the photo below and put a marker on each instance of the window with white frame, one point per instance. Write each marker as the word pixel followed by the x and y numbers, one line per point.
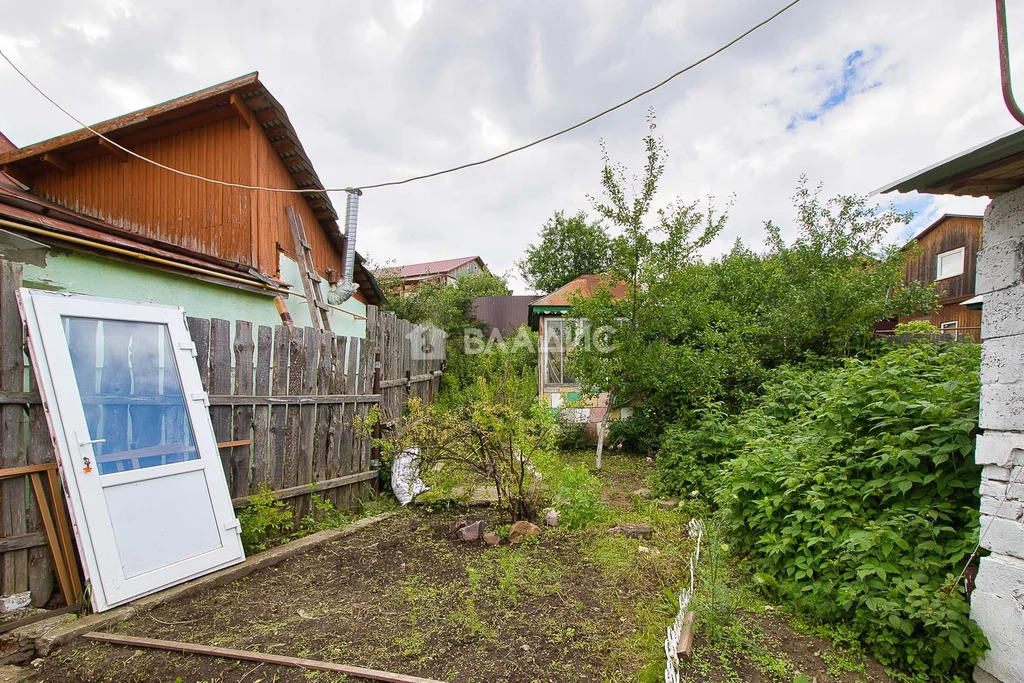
pixel 559 335
pixel 948 327
pixel 949 264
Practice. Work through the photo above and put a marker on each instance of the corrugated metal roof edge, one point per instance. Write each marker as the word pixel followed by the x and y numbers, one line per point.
pixel 1000 147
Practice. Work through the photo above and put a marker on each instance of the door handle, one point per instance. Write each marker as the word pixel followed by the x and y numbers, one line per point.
pixel 91 441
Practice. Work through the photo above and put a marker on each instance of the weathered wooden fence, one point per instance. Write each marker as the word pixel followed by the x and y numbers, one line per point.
pixel 283 402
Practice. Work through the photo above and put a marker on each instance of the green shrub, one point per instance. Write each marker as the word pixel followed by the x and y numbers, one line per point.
pixel 856 499
pixel 569 436
pixel 264 520
pixel 638 433
pixel 577 498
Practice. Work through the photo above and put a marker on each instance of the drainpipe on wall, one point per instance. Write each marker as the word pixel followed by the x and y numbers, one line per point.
pixel 344 290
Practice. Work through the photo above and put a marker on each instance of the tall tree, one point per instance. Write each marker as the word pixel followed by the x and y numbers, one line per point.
pixel 568 247
pixel 651 247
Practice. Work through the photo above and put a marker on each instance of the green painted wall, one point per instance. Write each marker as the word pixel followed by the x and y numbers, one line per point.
pixel 87 274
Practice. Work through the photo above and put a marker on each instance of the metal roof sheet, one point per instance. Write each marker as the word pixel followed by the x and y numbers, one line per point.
pixel 988 169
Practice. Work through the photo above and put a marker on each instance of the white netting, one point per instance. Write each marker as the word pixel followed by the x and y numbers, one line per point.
pixel 696 527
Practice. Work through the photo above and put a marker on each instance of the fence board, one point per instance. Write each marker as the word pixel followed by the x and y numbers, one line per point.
pixel 242 418
pixel 278 414
pixel 323 379
pixel 261 418
pixel 296 368
pixel 220 383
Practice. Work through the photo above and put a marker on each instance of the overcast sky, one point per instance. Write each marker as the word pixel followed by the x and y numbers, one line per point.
pixel 854 94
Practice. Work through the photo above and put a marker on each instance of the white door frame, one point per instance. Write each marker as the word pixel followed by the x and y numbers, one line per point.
pixel 43 313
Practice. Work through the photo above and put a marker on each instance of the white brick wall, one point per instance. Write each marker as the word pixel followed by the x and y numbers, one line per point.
pixel 997 604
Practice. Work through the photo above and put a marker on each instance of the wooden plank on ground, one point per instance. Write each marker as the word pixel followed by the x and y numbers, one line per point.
pixel 242 419
pixel 220 384
pixel 261 419
pixel 280 660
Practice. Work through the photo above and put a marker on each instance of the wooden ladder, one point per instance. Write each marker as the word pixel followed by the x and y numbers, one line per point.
pixel 318 308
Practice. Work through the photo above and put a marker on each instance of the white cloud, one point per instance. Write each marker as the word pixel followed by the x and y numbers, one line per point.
pixel 384 90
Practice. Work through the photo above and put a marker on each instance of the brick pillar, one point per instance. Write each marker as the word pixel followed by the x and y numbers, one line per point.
pixel 997 604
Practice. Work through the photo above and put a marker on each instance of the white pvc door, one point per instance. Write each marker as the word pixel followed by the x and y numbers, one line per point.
pixel 134 441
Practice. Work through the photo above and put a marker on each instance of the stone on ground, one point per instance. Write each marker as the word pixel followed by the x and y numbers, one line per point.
pixel 551 517
pixel 632 530
pixel 471 532
pixel 521 530
pixel 455 525
pixel 491 538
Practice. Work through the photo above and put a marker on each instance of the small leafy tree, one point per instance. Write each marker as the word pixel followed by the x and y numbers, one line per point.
pixel 495 436
pixel 646 253
pixel 568 247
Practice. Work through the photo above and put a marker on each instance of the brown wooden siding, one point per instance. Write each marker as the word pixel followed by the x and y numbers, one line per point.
pixel 149 201
pixel 243 226
pixel 953 233
pixel 270 223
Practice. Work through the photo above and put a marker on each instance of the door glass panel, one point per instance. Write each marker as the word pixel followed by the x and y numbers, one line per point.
pixel 131 393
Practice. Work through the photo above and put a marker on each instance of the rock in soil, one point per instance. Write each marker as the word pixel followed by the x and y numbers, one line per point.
pixel 632 530
pixel 491 538
pixel 522 529
pixel 670 504
pixel 471 532
pixel 455 525
pixel 551 517
pixel 642 492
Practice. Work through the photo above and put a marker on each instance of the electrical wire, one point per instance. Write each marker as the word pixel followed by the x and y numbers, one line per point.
pixel 424 176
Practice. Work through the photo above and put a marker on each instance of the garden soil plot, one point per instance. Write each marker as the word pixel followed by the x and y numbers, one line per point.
pixel 401 596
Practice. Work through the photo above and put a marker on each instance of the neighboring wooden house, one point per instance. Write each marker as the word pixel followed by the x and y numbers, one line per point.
pixel 558 331
pixel 106 223
pixel 948 257
pixel 404 279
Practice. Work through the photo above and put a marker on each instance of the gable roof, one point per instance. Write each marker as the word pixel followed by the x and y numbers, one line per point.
pixel 244 96
pixel 418 270
pixel 584 285
pixel 939 221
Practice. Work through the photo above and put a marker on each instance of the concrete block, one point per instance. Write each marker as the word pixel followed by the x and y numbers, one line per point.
pixel 1002 406
pixel 1002 536
pixel 992 489
pixel 1003 313
pixel 1000 448
pixel 999 575
pixel 1004 218
pixel 997 606
pixel 1002 360
pixel 995 473
pixel 982 676
pixel 1005 509
pixel 999 266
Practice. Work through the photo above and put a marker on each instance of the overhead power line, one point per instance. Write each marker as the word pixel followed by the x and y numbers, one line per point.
pixel 415 178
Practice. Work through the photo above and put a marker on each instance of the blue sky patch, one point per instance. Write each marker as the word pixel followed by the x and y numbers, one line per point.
pixel 839 88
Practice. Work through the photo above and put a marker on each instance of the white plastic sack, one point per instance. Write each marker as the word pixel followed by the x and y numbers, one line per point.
pixel 405 476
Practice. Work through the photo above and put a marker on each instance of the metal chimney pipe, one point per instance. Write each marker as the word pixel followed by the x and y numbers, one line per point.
pixel 351 217
pixel 346 288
